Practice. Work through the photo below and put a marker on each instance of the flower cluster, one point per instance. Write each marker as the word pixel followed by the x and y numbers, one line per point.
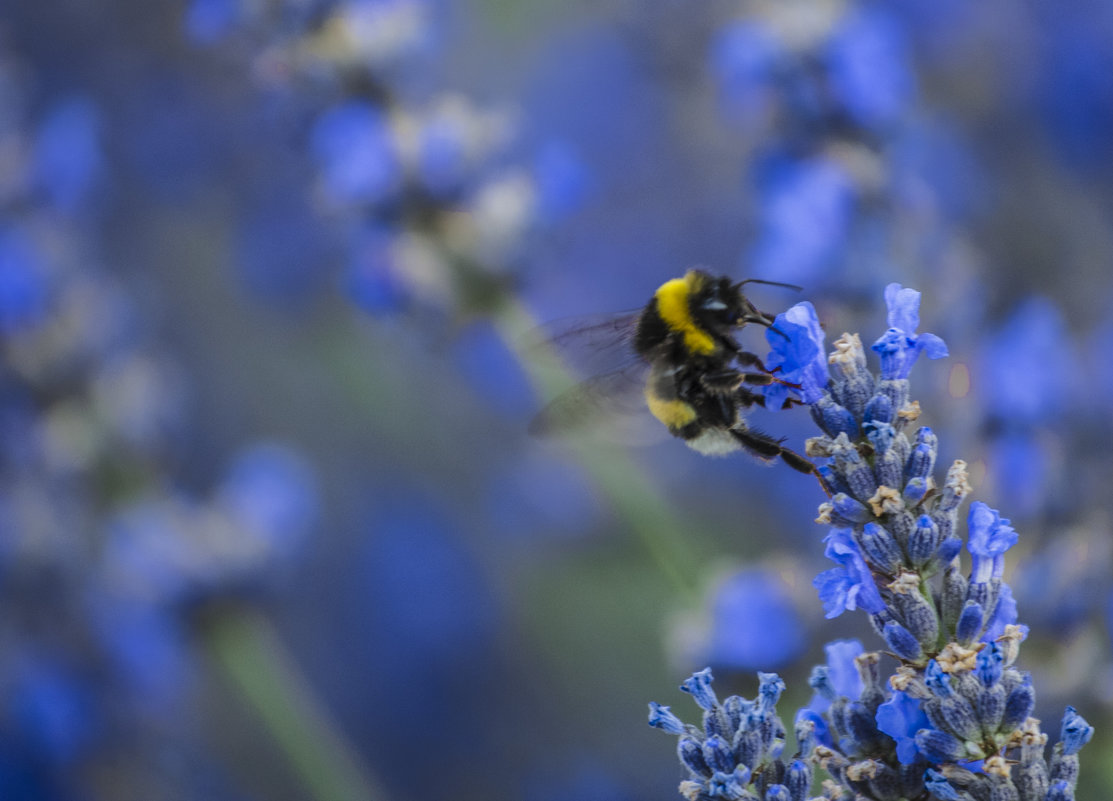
pixel 953 721
pixel 737 753
pixel 420 187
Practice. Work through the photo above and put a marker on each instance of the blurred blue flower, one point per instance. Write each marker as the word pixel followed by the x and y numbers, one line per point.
pixel 54 709
pixel 271 489
pixel 354 147
pixel 1021 470
pixel 372 280
pixel 744 58
pixel 493 371
pixel 564 181
pixel 208 21
pixel 68 157
pixel 867 62
pixel 754 622
pixel 1074 88
pixel 24 288
pixel 148 646
pixel 1013 359
pixel 443 157
pixel 901 717
pixel 806 207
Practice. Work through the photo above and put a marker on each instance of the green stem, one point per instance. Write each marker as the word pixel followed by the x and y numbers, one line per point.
pixel 251 654
pixel 628 489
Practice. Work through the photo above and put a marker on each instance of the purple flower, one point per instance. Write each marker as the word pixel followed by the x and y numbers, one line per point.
pixel 849 586
pixel 990 535
pixel 900 346
pixel 901 717
pixel 798 350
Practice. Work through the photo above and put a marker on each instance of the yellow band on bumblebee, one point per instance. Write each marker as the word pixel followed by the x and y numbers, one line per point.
pixel 672 305
pixel 675 414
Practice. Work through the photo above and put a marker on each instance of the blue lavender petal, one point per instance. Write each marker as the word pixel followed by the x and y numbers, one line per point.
pixel 901 717
pixel 660 717
pixel 699 686
pixel 799 354
pixel 1076 732
pixel 990 535
pixel 900 346
pixel 851 585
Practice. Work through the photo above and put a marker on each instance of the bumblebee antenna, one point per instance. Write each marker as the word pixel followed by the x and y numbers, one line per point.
pixel 764 321
pixel 740 284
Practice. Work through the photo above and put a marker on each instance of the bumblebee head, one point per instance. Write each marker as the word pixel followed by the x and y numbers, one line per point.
pixel 719 306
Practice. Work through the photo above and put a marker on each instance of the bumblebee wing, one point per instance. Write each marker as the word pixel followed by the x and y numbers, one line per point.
pixel 589 345
pixel 610 404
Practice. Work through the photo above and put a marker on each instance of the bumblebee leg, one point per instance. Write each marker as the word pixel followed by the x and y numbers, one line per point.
pixel 745 398
pixel 766 448
pixel 721 382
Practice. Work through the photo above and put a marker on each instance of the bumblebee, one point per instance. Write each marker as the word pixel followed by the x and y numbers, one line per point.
pixel 684 361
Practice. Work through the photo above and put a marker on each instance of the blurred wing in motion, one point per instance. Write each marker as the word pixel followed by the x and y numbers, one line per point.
pixel 610 405
pixel 588 346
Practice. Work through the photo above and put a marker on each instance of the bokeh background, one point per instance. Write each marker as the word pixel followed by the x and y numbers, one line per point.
pixel 271 526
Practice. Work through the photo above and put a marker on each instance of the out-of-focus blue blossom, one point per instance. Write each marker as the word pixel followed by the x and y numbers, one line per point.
pixel 900 346
pixel 901 717
pixel 24 287
pixel 207 21
pixel 271 489
pixel 851 585
pixel 1021 471
pixel 354 147
pixel 1015 358
pixel 798 351
pixel 805 213
pixel 1074 87
pixel 564 181
pixel 373 280
pixel 489 367
pixel 54 709
pixel 867 60
pixel 147 644
pixel 744 60
pixel 753 623
pixel 68 157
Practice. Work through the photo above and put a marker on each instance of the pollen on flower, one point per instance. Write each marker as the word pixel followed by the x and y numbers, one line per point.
pixel 1010 641
pixel 955 658
pixel 847 354
pixel 690 790
pixel 886 501
pixel 997 766
pixel 910 412
pixel 824 516
pixel 906 583
pixel 862 771
pixel 1028 734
